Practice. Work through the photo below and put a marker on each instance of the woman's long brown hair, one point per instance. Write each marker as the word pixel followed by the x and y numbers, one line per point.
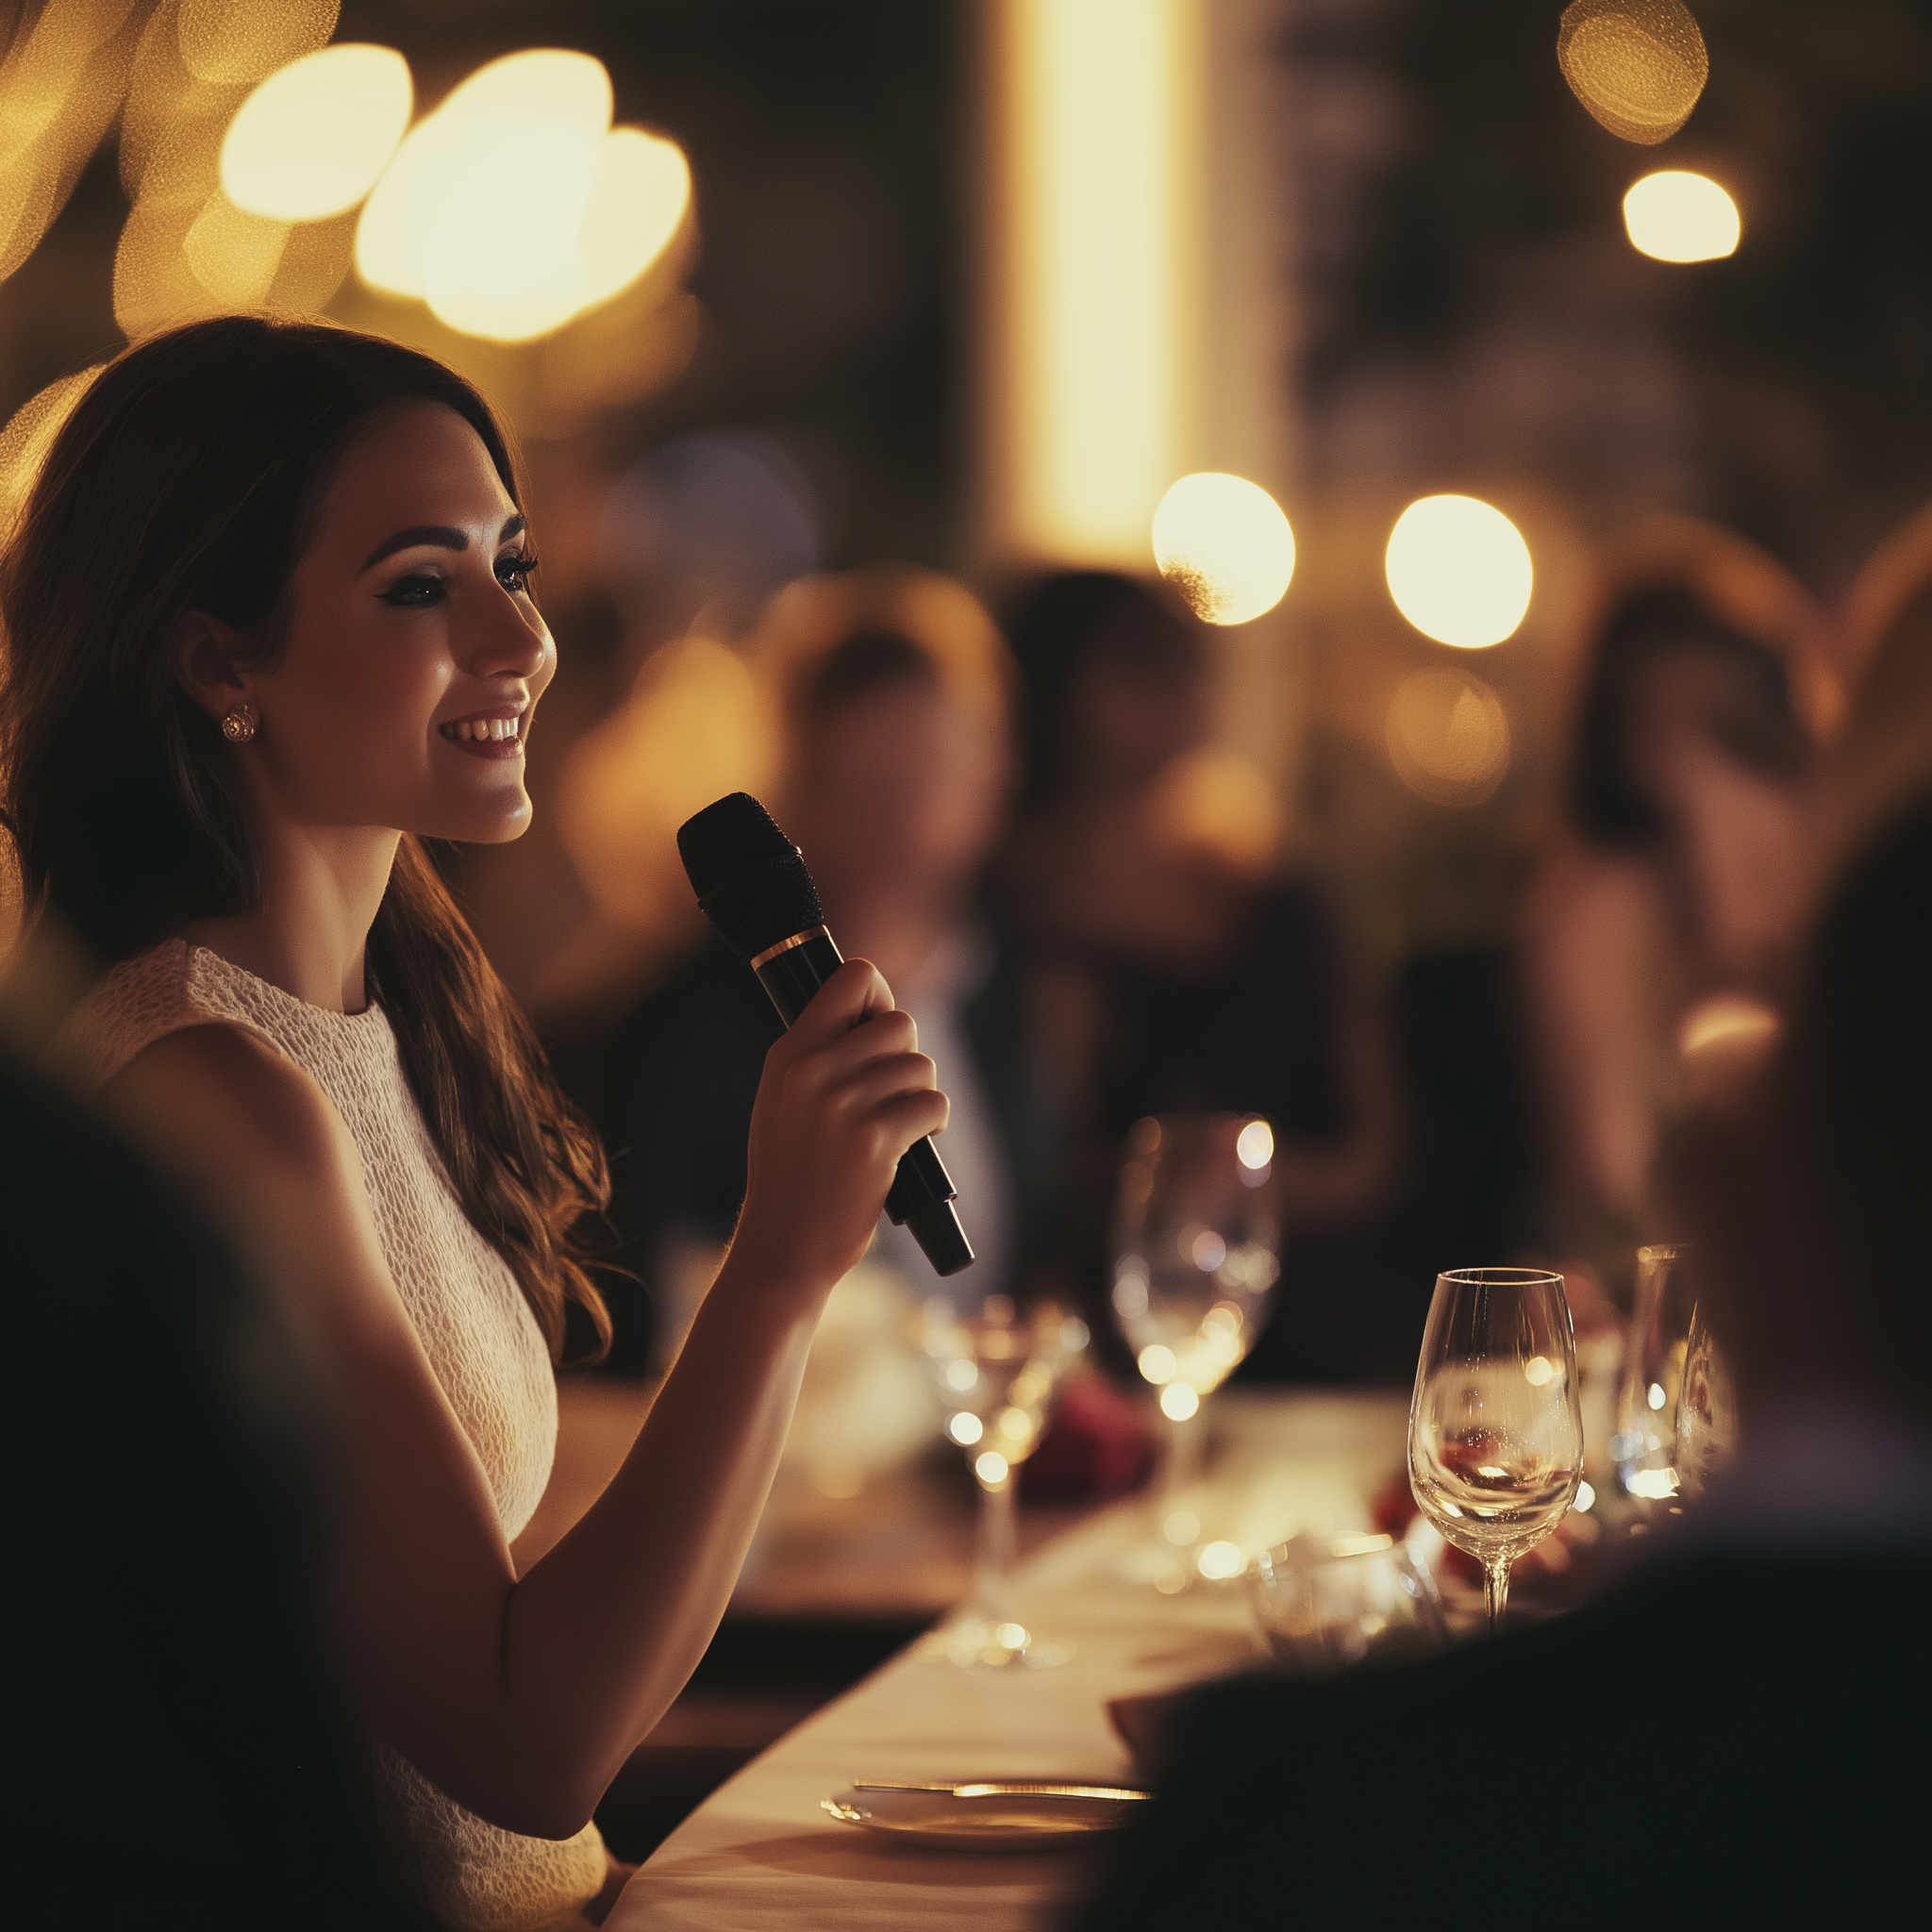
pixel 190 477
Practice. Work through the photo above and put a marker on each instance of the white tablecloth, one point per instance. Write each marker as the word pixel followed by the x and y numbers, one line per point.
pixel 761 1853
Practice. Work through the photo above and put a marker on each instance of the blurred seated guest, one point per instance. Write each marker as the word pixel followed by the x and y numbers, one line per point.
pixel 1777 1642
pixel 894 693
pixel 172 1715
pixel 1652 936
pixel 1174 968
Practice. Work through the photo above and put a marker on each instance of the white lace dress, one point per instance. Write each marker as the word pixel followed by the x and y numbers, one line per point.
pixel 478 1332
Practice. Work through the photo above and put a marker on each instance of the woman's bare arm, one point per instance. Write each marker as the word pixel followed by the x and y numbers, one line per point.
pixel 522 1699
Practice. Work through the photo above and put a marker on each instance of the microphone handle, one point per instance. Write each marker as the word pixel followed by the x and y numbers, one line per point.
pixel 922 1193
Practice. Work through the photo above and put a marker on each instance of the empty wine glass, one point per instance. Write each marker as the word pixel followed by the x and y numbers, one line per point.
pixel 1495 1432
pixel 996 1373
pixel 1197 1254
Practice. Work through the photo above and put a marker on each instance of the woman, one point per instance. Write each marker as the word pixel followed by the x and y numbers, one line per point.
pixel 1174 969
pixel 270 627
pixel 1654 933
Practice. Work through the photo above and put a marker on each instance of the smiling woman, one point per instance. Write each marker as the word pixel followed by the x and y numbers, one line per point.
pixel 270 627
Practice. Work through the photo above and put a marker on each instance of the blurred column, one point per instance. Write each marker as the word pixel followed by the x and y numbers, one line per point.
pixel 1136 289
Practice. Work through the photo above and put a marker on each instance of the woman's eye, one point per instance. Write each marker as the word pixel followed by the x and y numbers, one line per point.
pixel 513 572
pixel 415 593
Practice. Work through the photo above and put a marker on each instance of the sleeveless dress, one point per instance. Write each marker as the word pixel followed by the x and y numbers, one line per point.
pixel 479 1334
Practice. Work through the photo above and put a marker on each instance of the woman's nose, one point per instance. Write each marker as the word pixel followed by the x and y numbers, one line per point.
pixel 510 639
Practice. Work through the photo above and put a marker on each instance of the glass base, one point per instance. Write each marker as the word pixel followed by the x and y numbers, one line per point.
pixel 973 1644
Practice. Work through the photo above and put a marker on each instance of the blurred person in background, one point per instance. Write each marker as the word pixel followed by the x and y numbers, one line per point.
pixel 894 693
pixel 1174 969
pixel 1774 1638
pixel 1653 936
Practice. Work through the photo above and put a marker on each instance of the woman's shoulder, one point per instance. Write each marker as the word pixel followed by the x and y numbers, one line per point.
pixel 164 990
pixel 217 1079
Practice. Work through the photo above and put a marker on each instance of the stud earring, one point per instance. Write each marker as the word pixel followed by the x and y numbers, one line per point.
pixel 238 727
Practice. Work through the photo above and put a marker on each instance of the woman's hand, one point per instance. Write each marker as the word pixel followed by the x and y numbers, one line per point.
pixel 845 1092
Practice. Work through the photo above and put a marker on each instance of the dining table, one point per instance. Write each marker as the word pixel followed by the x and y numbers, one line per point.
pixel 763 1852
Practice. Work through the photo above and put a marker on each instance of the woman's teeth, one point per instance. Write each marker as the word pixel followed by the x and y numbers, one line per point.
pixel 482 728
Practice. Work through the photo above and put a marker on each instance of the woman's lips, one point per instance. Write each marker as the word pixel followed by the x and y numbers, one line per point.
pixel 496 737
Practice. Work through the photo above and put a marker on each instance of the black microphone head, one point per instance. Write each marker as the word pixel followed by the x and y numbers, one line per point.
pixel 751 882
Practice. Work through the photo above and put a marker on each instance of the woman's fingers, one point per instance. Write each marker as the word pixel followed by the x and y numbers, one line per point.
pixel 883 1083
pixel 854 994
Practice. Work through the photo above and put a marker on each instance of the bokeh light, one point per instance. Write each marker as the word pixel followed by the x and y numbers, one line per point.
pixel 516 205
pixel 1178 1402
pixel 233 255
pixel 1448 737
pixel 1255 1145
pixel 60 88
pixel 312 140
pixel 696 726
pixel 1221 1560
pixel 1678 216
pixel 1459 571
pixel 638 203
pixel 545 91
pixel 1156 1362
pixel 1725 1020
pixel 1638 66
pixel 1226 545
pixel 501 257
pixel 29 433
pixel 226 42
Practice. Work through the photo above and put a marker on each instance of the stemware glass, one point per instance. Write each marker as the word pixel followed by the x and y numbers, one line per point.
pixel 1644 1445
pixel 1197 1254
pixel 1706 1430
pixel 1322 1605
pixel 996 1372
pixel 1495 1431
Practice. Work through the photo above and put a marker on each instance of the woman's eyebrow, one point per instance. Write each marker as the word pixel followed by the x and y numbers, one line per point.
pixel 441 535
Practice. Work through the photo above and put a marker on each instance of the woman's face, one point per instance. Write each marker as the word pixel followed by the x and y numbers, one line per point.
pixel 415 655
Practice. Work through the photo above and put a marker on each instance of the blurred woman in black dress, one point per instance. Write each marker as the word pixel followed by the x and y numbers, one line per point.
pixel 1174 968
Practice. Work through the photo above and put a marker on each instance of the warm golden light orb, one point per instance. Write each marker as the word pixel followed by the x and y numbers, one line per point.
pixel 1638 66
pixel 638 203
pixel 1459 571
pixel 312 140
pixel 598 215
pixel 1678 216
pixel 1224 545
pixel 1448 737
pixel 537 190
pixel 543 93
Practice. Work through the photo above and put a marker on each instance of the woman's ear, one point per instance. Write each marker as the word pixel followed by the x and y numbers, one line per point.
pixel 206 657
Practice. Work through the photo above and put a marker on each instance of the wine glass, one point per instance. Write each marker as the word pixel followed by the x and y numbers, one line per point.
pixel 1197 1254
pixel 1495 1432
pixel 996 1373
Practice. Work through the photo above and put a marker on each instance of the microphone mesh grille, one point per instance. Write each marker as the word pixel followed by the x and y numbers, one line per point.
pixel 749 879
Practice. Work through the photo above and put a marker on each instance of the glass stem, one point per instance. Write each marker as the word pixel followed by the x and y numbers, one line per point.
pixel 1181 1466
pixel 995 1554
pixel 1496 1584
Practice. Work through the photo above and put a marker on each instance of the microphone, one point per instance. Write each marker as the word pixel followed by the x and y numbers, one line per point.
pixel 752 885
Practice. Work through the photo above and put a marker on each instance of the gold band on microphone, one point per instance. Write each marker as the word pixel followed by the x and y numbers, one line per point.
pixel 797 938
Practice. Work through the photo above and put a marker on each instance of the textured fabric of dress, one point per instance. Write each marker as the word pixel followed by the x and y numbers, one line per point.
pixel 476 1328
